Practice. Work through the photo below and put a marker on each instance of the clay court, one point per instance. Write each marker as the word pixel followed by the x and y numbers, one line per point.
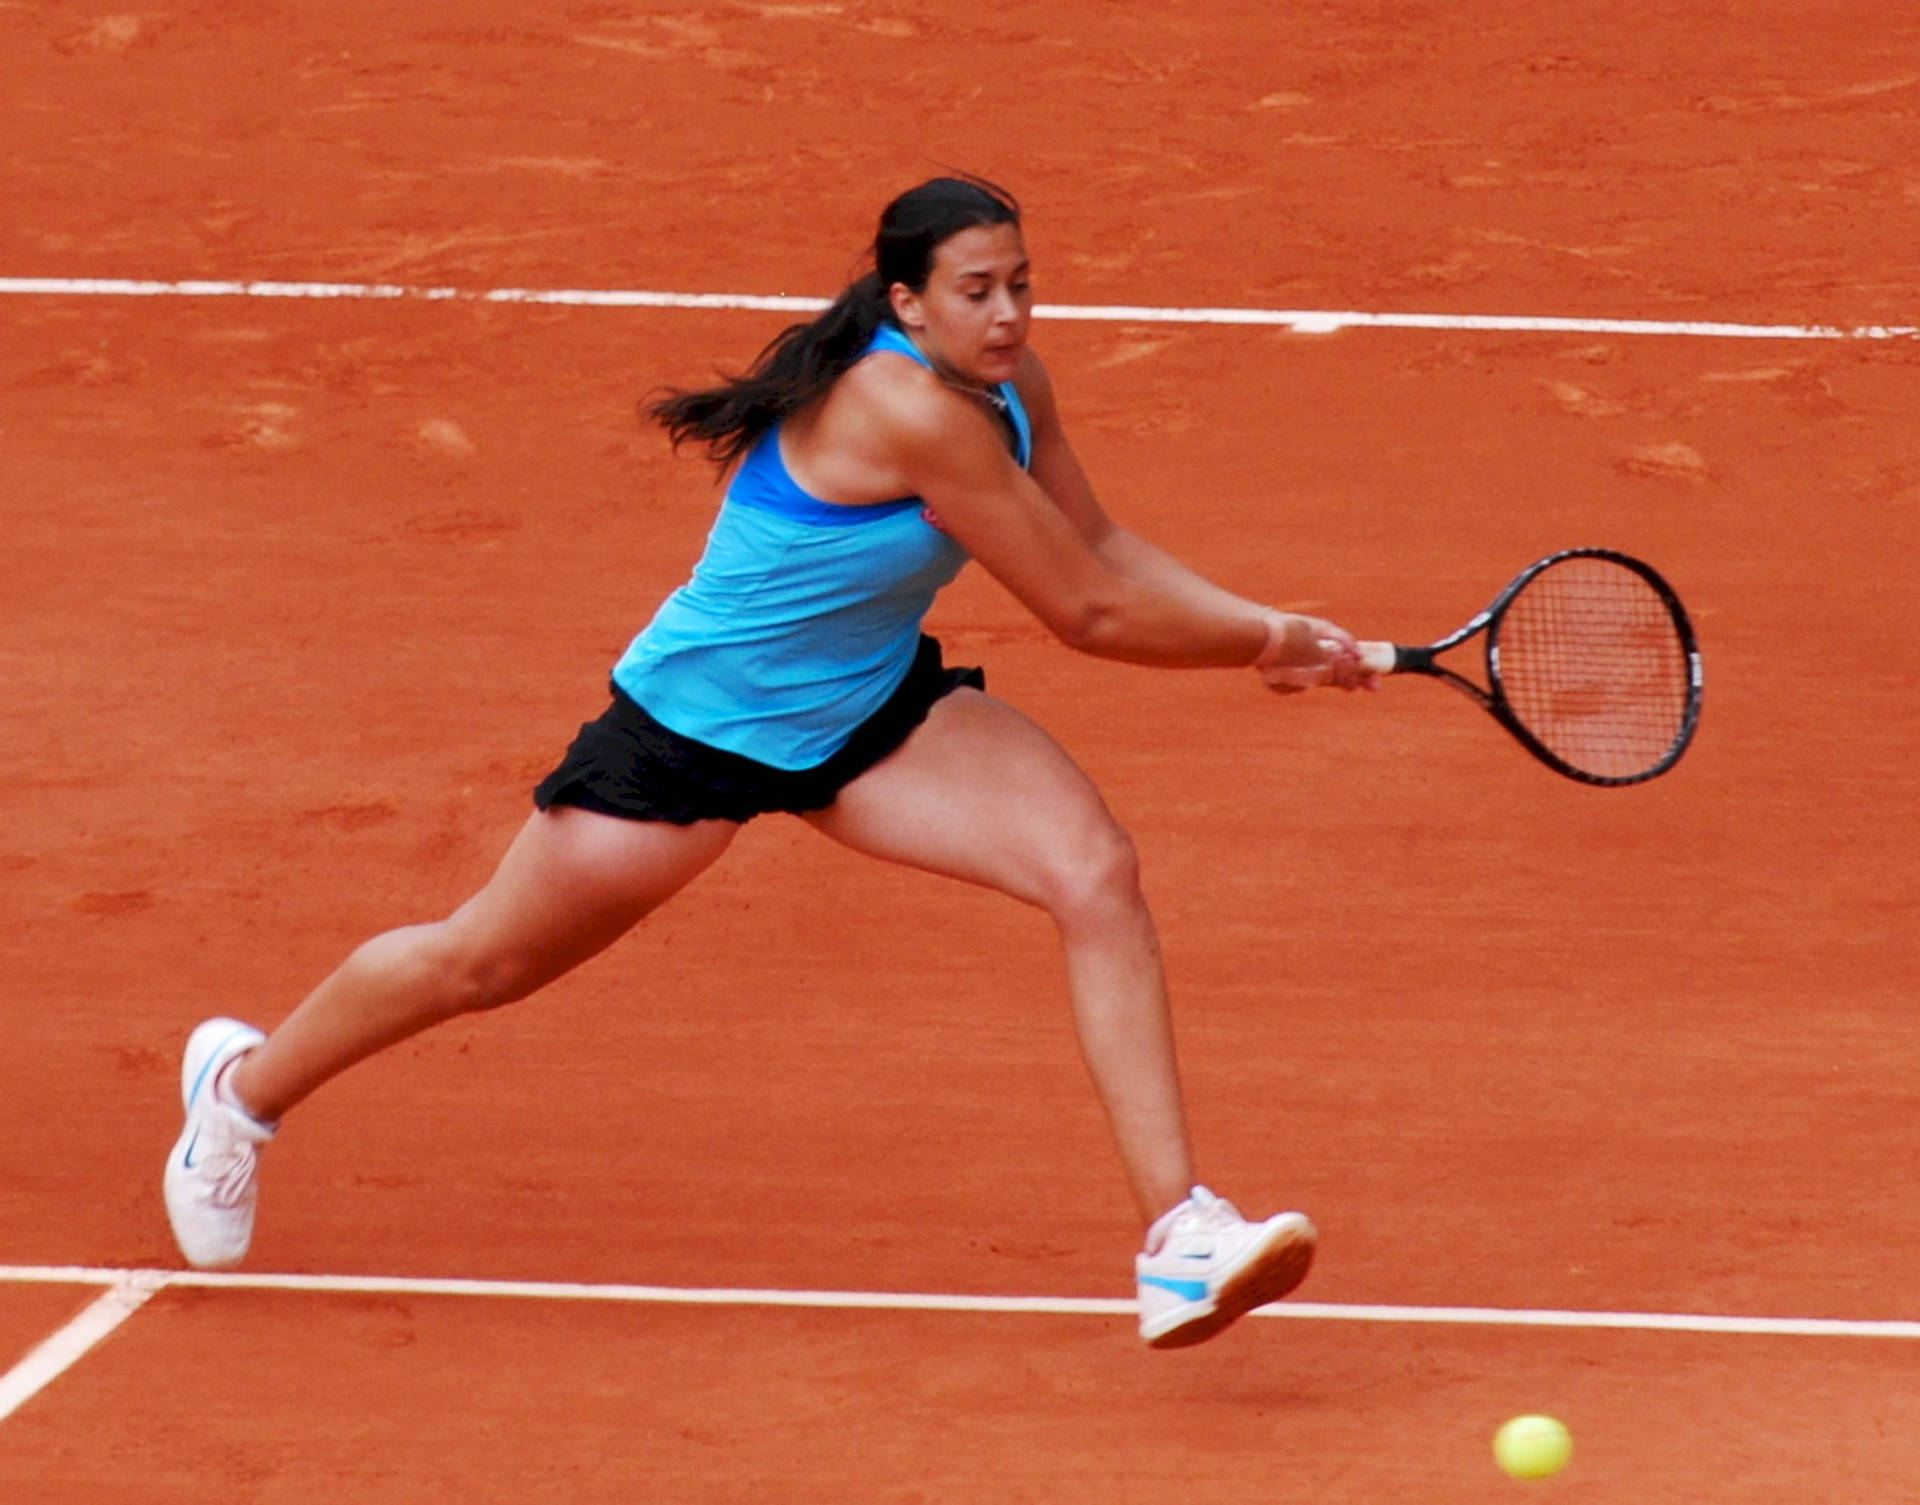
pixel 1604 1100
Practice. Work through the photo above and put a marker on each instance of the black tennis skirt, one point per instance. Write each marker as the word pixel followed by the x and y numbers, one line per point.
pixel 627 764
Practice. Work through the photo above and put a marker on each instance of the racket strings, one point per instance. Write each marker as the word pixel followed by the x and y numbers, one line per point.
pixel 1594 665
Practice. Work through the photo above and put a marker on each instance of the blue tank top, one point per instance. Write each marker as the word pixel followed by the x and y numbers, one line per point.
pixel 802 616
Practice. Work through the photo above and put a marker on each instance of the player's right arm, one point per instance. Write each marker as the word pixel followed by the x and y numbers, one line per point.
pixel 1057 468
pixel 1296 658
pixel 946 449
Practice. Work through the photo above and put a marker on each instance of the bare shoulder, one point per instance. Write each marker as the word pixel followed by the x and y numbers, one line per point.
pixel 1035 386
pixel 881 431
pixel 1032 372
pixel 894 396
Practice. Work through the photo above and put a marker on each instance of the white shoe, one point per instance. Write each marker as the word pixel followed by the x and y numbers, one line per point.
pixel 209 1183
pixel 1206 1266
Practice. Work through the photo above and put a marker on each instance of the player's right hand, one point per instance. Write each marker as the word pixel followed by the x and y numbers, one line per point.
pixel 1307 653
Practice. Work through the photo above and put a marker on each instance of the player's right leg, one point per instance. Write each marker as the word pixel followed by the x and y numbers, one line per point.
pixel 573 882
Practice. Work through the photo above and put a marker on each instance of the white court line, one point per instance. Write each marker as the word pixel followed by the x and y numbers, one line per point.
pixel 1304 321
pixel 126 1293
pixel 542 1290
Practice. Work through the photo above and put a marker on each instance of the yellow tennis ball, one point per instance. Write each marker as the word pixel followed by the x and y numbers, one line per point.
pixel 1532 1447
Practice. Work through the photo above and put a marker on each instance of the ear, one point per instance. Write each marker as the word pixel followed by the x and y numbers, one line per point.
pixel 907 308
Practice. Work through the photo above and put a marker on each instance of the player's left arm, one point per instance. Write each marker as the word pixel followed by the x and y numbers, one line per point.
pixel 1061 476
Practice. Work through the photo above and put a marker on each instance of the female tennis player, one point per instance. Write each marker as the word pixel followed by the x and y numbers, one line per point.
pixel 874 451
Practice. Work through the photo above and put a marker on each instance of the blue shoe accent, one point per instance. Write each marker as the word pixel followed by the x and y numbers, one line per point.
pixel 1186 1290
pixel 193 1093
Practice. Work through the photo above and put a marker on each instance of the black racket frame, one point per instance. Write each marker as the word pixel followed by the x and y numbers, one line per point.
pixel 1493 698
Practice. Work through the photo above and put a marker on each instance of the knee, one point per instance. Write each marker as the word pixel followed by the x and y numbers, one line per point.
pixel 462 978
pixel 1093 875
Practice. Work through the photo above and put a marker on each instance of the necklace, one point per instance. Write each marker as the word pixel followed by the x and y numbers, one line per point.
pixel 992 396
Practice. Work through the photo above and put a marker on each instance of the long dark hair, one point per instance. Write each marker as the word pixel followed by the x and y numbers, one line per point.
pixel 805 359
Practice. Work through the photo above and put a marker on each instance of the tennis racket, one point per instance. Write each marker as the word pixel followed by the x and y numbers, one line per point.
pixel 1591 663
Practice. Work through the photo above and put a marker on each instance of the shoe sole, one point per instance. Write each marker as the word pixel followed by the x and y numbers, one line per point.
pixel 1275 1267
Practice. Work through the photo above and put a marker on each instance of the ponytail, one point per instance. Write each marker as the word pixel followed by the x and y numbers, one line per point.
pixel 806 359
pixel 802 362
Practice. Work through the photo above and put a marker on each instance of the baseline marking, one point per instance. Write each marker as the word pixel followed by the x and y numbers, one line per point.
pixel 1302 321
pixel 127 1291
pixel 148 1281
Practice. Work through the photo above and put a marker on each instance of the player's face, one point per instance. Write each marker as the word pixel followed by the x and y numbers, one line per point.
pixel 971 318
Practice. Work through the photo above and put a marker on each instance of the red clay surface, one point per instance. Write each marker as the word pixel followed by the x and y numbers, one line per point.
pixel 458 1402
pixel 299 598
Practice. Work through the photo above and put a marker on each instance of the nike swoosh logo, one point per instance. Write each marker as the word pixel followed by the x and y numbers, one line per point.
pixel 186 1160
pixel 1186 1290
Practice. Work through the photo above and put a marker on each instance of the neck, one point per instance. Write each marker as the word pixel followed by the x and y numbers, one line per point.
pixel 941 370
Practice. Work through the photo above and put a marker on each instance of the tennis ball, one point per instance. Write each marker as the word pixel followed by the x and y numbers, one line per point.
pixel 1532 1447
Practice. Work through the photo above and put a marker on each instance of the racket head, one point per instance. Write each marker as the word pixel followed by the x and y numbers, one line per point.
pixel 1592 663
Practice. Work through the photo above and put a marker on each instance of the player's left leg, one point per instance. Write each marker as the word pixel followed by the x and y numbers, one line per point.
pixel 980 793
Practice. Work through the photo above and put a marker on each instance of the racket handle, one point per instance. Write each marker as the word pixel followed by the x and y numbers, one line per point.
pixel 1380 658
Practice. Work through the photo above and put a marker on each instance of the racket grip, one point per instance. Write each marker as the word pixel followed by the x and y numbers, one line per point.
pixel 1380 658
